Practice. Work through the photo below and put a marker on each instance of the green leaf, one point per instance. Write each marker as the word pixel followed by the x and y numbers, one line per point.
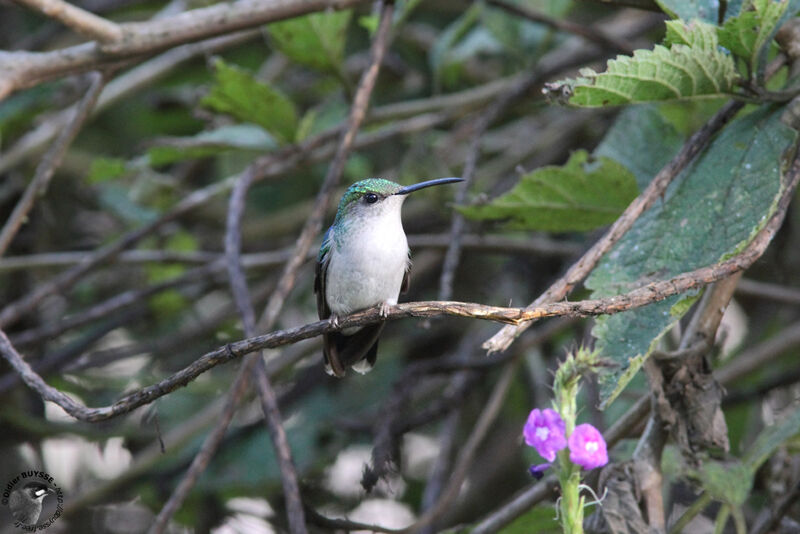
pixel 642 140
pixel 706 10
pixel 712 209
pixel 237 93
pixel 204 144
pixel 771 438
pixel 581 195
pixel 316 40
pixel 105 169
pixel 692 67
pixel 749 34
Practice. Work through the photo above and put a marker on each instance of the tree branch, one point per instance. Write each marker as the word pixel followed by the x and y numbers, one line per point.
pixel 595 35
pixel 78 19
pixel 50 162
pixel 26 69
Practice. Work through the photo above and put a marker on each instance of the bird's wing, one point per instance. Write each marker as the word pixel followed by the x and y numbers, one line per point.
pixel 406 282
pixel 332 341
pixel 323 260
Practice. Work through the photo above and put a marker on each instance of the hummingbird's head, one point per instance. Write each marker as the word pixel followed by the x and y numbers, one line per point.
pixel 375 196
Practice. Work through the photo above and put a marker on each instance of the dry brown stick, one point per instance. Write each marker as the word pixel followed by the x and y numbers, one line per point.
pixel 26 69
pixel 78 19
pixel 564 285
pixel 50 162
pixel 269 401
pixel 589 33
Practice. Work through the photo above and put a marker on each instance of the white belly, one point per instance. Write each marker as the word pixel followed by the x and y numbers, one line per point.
pixel 366 268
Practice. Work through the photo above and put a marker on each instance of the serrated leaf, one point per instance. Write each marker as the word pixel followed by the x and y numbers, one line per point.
pixel 204 144
pixel 578 196
pixel 237 93
pixel 710 210
pixel 316 40
pixel 692 67
pixel 642 140
pixel 706 10
pixel 749 34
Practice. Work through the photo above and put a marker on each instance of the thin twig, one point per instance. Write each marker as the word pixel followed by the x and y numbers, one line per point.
pixel 596 35
pixel 579 270
pixel 78 19
pixel 50 162
pixel 766 290
pixel 499 244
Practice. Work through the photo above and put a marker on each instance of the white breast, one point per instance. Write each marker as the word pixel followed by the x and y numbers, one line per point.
pixel 368 261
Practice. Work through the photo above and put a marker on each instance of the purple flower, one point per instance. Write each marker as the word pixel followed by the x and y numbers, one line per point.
pixel 537 471
pixel 587 447
pixel 544 431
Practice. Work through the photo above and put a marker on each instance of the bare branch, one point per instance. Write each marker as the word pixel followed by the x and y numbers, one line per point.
pixel 498 244
pixel 26 69
pixel 579 270
pixel 78 19
pixel 596 35
pixel 50 162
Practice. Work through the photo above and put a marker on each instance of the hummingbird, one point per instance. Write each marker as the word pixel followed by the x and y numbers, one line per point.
pixel 363 262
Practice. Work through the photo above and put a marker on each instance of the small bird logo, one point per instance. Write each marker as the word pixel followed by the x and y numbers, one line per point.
pixel 363 262
pixel 26 502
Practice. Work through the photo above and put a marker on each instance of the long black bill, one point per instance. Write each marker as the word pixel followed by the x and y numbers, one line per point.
pixel 422 185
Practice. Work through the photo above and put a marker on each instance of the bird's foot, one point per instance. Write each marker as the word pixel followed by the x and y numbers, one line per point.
pixel 384 309
pixel 334 320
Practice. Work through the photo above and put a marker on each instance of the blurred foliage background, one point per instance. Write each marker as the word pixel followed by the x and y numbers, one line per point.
pixel 188 121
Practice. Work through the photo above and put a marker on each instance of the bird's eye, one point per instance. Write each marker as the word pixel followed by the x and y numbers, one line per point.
pixel 370 198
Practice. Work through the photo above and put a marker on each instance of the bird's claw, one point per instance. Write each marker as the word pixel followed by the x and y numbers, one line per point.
pixel 334 320
pixel 384 309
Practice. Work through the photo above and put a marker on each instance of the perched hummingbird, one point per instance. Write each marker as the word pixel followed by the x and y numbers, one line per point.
pixel 363 262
